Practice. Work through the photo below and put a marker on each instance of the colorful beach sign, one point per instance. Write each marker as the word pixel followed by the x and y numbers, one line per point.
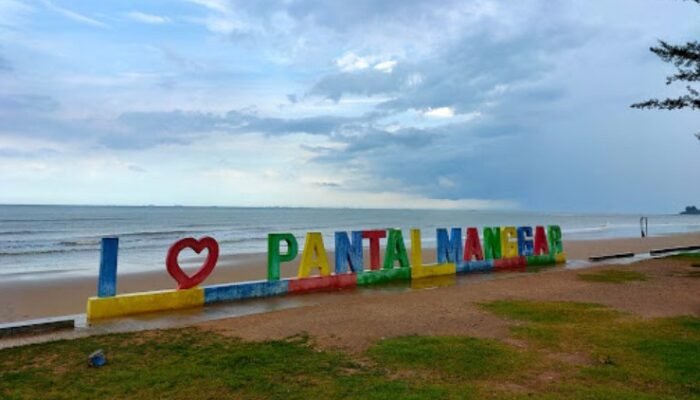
pixel 498 248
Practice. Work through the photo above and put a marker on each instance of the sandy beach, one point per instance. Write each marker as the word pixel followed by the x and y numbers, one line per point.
pixel 29 299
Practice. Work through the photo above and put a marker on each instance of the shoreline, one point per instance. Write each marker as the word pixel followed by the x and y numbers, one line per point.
pixel 36 298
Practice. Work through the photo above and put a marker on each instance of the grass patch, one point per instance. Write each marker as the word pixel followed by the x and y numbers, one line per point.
pixel 550 312
pixel 692 256
pixel 625 357
pixel 192 364
pixel 559 350
pixel 458 357
pixel 612 276
pixel 688 255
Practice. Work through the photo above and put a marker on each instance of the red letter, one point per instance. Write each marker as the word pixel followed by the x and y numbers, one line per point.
pixel 541 245
pixel 472 245
pixel 374 237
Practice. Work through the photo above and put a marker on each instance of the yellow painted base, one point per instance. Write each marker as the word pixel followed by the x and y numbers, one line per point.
pixel 423 271
pixel 138 303
pixel 434 282
pixel 560 258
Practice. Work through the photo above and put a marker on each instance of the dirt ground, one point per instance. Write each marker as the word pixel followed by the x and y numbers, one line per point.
pixel 353 320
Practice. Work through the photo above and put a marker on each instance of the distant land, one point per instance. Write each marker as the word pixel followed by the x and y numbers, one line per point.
pixel 691 210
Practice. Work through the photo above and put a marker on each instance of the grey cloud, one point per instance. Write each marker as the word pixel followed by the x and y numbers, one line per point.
pixel 179 60
pixel 175 122
pixel 27 103
pixel 505 79
pixel 321 125
pixel 16 153
pixel 463 75
pixel 171 122
pixel 327 184
pixel 146 129
pixel 344 16
pixel 409 138
pixel 32 116
pixel 5 64
pixel 366 82
pixel 136 168
pixel 475 155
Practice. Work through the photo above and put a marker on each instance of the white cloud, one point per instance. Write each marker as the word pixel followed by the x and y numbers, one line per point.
pixel 148 18
pixel 498 90
pixel 446 182
pixel 351 62
pixel 224 26
pixel 13 13
pixel 74 15
pixel 215 5
pixel 440 112
pixel 386 66
pixel 414 80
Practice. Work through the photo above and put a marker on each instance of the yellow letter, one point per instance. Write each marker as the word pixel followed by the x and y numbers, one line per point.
pixel 314 256
pixel 416 250
pixel 509 248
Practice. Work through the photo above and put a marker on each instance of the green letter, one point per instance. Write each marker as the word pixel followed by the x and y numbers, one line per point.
pixel 273 253
pixel 395 250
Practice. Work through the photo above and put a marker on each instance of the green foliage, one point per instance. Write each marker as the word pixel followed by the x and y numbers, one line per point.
pixel 686 59
pixel 613 276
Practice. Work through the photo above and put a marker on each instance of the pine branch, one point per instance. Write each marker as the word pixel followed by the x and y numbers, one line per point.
pixel 692 100
pixel 685 57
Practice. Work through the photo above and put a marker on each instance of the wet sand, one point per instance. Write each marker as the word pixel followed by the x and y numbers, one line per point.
pixel 21 300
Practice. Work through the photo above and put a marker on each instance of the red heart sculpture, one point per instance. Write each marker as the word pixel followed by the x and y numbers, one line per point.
pixel 183 280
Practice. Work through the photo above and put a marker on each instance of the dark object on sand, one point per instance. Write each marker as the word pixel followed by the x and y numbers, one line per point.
pixel 691 210
pixel 610 256
pixel 655 252
pixel 97 359
pixel 36 326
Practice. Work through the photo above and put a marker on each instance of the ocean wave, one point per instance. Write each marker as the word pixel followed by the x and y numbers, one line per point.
pixel 26 252
pixel 79 242
pixel 26 232
pixel 589 229
pixel 72 219
pixel 242 240
pixel 153 233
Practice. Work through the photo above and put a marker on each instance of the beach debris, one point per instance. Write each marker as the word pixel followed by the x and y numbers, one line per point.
pixel 97 359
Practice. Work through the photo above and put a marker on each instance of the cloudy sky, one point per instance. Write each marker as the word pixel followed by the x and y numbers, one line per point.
pixel 466 104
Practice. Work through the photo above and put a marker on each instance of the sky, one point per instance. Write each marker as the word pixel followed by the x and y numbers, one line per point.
pixel 483 104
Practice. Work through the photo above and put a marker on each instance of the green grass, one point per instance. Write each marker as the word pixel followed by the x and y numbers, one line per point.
pixel 692 256
pixel 556 350
pixel 551 312
pixel 688 255
pixel 619 356
pixel 456 357
pixel 190 364
pixel 612 276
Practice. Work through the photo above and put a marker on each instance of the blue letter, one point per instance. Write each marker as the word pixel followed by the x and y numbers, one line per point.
pixel 525 246
pixel 449 249
pixel 345 252
pixel 107 281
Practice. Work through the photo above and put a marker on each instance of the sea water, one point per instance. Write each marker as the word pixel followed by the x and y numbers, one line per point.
pixel 48 241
